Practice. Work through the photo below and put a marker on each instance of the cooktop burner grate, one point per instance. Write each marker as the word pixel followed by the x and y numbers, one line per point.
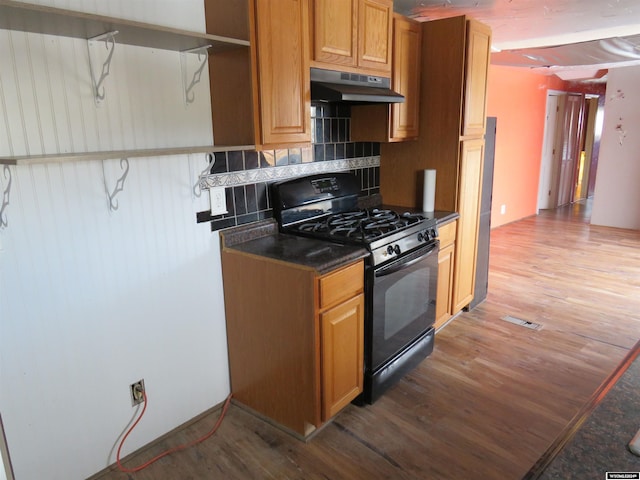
pixel 364 225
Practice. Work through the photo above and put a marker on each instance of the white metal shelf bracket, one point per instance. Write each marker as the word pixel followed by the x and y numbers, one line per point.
pixel 4 223
pixel 197 188
pixel 96 56
pixel 119 186
pixel 188 84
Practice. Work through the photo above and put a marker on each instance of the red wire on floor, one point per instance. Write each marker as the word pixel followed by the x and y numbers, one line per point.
pixel 171 450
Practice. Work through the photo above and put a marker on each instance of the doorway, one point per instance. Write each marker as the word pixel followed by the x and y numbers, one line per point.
pixel 547 186
pixel 570 149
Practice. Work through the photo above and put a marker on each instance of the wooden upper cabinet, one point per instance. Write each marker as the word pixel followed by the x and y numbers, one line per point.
pixel 281 82
pixel 335 31
pixel 374 34
pixel 354 35
pixel 395 122
pixel 406 78
pixel 477 67
pixel 262 95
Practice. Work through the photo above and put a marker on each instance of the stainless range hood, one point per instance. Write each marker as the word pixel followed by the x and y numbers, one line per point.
pixel 334 86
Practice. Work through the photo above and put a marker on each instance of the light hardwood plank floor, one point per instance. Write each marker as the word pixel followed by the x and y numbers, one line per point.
pixel 493 395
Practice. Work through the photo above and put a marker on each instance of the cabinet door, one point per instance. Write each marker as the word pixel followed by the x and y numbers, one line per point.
pixel 374 34
pixel 445 285
pixel 282 91
pixel 406 77
pixel 475 90
pixel 342 361
pixel 335 31
pixel 471 158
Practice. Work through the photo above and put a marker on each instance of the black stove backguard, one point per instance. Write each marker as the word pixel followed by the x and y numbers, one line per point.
pixel 400 273
pixel 305 198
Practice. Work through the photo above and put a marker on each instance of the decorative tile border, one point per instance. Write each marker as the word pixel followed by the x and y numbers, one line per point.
pixel 257 175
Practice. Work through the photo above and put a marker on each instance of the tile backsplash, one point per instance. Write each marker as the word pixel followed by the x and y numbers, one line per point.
pixel 246 175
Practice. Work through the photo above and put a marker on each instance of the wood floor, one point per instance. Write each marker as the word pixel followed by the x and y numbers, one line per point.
pixel 493 395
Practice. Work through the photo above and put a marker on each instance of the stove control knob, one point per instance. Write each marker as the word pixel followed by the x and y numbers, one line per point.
pixel 421 237
pixel 396 249
pixel 434 233
pixel 390 250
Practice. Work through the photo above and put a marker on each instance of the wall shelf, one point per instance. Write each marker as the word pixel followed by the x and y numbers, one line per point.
pixel 32 18
pixel 26 17
pixel 152 152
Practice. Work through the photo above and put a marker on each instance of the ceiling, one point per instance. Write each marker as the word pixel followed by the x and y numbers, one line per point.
pixel 575 39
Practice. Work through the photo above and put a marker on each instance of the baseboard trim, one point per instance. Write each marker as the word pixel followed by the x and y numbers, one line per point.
pixel 114 467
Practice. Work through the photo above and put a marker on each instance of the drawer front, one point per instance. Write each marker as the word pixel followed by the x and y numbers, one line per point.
pixel 341 285
pixel 447 233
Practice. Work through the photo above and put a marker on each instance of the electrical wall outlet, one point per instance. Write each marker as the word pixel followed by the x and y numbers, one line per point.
pixel 136 390
pixel 503 209
pixel 218 200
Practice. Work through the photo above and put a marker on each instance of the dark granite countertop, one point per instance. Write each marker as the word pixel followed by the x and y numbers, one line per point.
pixel 442 217
pixel 262 239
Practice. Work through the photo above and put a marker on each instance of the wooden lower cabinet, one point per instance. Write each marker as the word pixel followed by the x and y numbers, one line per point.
pixel 341 330
pixel 446 256
pixel 295 338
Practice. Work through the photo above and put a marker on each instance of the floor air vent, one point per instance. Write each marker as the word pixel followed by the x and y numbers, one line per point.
pixel 522 323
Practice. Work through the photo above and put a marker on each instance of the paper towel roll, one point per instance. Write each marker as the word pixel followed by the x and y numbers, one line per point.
pixel 429 191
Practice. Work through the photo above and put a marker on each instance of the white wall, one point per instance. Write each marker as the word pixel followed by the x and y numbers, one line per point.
pixel 92 300
pixel 616 198
pixel 182 14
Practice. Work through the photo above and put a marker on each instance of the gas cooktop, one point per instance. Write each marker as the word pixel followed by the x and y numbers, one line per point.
pixel 360 225
pixel 326 207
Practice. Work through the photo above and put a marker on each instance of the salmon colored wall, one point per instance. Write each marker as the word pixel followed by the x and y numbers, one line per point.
pixel 518 99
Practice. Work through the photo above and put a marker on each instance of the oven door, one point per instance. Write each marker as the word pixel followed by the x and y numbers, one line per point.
pixel 404 300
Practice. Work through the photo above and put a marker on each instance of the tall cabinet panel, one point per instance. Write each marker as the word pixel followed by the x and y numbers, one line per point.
pixel 470 186
pixel 450 140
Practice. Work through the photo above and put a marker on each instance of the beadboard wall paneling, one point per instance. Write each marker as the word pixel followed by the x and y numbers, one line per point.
pixel 93 300
pixel 49 106
pixel 181 14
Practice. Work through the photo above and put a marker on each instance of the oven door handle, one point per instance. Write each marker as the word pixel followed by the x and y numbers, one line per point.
pixel 401 265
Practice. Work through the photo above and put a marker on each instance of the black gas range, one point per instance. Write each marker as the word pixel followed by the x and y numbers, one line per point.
pixel 400 273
